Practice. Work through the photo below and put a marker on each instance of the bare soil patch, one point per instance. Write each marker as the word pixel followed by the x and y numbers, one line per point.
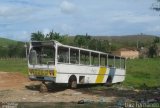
pixel 14 80
pixel 15 87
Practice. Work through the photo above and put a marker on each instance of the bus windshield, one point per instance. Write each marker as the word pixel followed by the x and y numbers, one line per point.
pixel 42 54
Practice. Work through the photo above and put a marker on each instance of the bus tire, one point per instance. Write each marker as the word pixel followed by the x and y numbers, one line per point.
pixel 72 82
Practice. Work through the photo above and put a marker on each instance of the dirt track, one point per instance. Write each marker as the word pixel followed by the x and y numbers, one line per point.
pixel 15 87
pixel 12 80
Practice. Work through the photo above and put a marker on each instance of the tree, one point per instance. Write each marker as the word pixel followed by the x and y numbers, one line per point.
pixel 20 50
pixel 105 46
pixel 54 36
pixel 156 40
pixel 39 36
pixel 67 40
pixel 156 5
pixel 82 41
pixel 99 45
pixel 4 51
pixel 153 49
pixel 16 50
pixel 93 44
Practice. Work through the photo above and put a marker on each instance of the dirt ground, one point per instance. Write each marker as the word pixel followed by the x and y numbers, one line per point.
pixel 15 87
pixel 12 80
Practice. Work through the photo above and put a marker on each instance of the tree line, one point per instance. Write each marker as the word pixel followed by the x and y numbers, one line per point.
pixel 13 50
pixel 89 42
pixel 84 41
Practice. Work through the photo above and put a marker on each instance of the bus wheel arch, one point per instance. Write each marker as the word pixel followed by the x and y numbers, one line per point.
pixel 72 82
pixel 109 80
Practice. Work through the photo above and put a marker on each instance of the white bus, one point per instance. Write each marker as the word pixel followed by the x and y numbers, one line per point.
pixel 51 61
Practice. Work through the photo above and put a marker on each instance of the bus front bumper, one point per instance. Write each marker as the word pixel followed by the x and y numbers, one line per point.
pixel 42 78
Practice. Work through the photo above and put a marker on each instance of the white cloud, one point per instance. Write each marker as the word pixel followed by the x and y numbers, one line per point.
pixel 3 10
pixel 10 11
pixel 154 29
pixel 67 7
pixel 131 17
pixel 64 16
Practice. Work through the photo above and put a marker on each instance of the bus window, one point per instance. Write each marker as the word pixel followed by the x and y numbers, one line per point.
pixel 84 57
pixel 42 55
pixel 63 54
pixel 110 61
pixel 117 62
pixel 122 63
pixel 95 59
pixel 103 60
pixel 74 56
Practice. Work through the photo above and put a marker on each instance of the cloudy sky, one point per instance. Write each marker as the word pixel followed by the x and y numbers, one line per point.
pixel 19 18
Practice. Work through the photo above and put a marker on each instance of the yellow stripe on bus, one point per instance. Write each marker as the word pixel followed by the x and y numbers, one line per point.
pixel 55 72
pixel 42 72
pixel 100 75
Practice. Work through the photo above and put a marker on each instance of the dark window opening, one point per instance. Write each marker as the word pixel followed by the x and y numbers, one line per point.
pixel 42 55
pixel 84 57
pixel 63 54
pixel 74 56
pixel 95 59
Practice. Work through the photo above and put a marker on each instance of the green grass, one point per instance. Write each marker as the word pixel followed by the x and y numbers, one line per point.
pixel 143 71
pixel 14 65
pixel 138 72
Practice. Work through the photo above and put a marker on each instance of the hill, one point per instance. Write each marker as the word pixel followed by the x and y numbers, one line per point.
pixel 5 42
pixel 117 42
pixel 128 40
pixel 11 48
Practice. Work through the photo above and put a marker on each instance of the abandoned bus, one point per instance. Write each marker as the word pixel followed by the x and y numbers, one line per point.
pixel 51 61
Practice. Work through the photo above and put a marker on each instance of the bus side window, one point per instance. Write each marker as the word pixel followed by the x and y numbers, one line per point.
pixel 95 59
pixel 74 56
pixel 110 61
pixel 63 54
pixel 117 62
pixel 122 63
pixel 84 57
pixel 103 59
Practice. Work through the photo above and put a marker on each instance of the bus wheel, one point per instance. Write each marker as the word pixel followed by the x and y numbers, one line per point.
pixel 72 82
pixel 43 87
